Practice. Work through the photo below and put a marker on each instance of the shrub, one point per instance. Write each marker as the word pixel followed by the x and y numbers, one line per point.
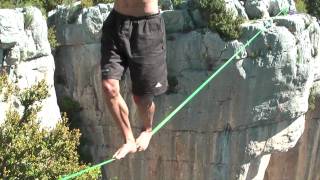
pixel 312 99
pixel 7 88
pixel 177 3
pixel 47 5
pixel 102 1
pixel 301 6
pixel 86 3
pixel 220 19
pixel 313 7
pixel 72 108
pixel 28 151
pixel 6 4
pixel 28 18
pixel 89 3
pixel 52 38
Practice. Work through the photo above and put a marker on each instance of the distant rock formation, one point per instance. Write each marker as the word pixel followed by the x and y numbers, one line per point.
pixel 25 55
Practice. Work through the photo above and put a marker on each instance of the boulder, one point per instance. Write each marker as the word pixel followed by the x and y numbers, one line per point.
pixel 178 21
pixel 26 56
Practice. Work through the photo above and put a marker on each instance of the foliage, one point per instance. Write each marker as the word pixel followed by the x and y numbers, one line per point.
pixel 102 1
pixel 313 7
pixel 13 3
pixel 177 3
pixel 43 5
pixel 28 18
pixel 6 4
pixel 220 19
pixel 72 108
pixel 312 99
pixel 52 38
pixel 19 3
pixel 6 87
pixel 86 3
pixel 89 3
pixel 69 105
pixel 301 6
pixel 47 5
pixel 28 151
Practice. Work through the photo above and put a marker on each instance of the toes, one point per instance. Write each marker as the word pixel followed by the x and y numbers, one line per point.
pixel 124 150
pixel 140 148
pixel 115 156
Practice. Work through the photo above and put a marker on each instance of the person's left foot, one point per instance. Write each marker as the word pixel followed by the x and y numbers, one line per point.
pixel 129 147
pixel 143 140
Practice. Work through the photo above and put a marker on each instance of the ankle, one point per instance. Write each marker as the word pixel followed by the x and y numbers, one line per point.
pixel 148 130
pixel 130 140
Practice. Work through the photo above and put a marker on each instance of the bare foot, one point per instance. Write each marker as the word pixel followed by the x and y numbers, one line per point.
pixel 143 140
pixel 129 147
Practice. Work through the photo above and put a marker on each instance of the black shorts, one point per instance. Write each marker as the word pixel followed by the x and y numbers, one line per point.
pixel 137 43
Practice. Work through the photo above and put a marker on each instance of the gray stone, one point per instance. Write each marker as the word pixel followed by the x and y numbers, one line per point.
pixel 302 161
pixel 11 27
pixel 75 25
pixel 236 8
pixel 178 21
pixel 198 20
pixel 28 57
pixel 279 5
pixel 255 108
pixel 257 8
pixel 166 5
pixel 240 9
pixel 23 43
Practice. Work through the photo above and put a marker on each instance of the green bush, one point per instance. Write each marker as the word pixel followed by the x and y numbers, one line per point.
pixel 7 88
pixel 313 7
pixel 312 99
pixel 72 108
pixel 301 6
pixel 28 18
pixel 89 3
pixel 102 1
pixel 6 4
pixel 177 3
pixel 220 19
pixel 52 38
pixel 86 3
pixel 28 151
pixel 47 5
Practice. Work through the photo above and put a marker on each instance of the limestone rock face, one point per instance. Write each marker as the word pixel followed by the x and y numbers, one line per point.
pixel 26 56
pixel 253 109
pixel 302 161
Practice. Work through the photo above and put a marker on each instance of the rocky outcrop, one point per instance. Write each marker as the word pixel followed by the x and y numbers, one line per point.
pixel 249 9
pixel 254 109
pixel 302 161
pixel 26 56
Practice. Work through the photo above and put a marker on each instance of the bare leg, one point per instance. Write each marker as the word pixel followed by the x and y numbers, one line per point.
pixel 120 112
pixel 146 110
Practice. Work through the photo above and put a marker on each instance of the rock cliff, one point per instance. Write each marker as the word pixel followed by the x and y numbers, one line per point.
pixel 25 55
pixel 252 112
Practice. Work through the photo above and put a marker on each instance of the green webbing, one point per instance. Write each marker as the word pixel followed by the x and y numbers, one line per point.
pixel 188 99
pixel 87 170
pixel 163 122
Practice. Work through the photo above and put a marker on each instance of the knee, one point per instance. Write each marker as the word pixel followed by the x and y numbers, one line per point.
pixel 111 88
pixel 143 100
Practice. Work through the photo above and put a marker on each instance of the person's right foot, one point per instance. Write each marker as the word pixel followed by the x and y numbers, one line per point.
pixel 143 140
pixel 129 147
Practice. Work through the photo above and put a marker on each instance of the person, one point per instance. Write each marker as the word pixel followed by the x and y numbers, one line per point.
pixel 133 37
